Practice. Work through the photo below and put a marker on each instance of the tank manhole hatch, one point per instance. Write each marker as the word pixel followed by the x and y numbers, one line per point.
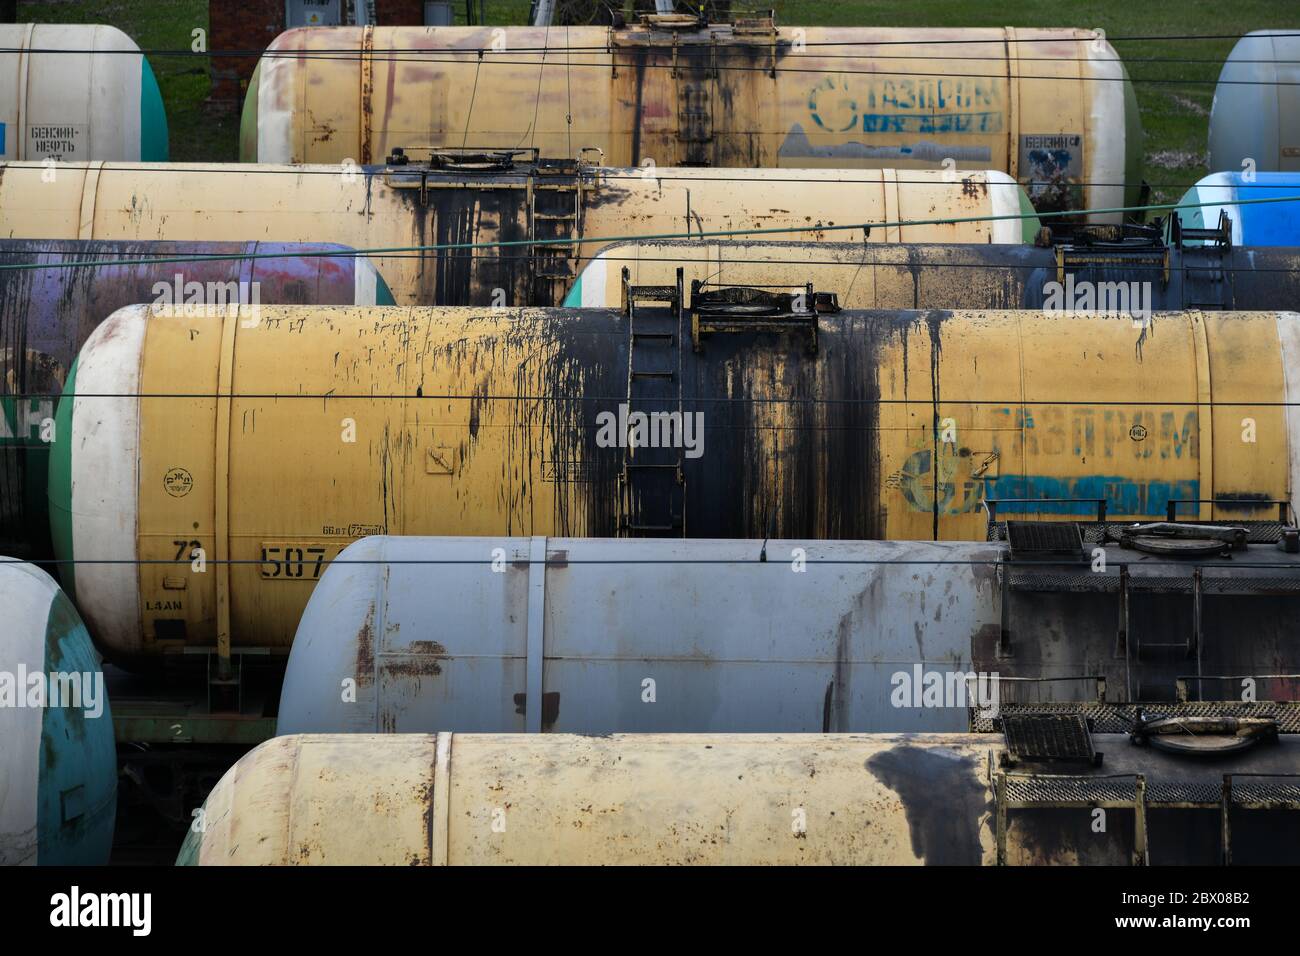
pixel 1060 540
pixel 1043 737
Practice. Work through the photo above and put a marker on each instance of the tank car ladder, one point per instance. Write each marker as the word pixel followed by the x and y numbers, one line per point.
pixel 554 218
pixel 694 77
pixel 1206 285
pixel 652 484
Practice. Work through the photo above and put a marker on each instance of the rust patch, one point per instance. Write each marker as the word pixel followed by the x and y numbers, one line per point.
pixel 412 667
pixel 428 647
pixel 365 673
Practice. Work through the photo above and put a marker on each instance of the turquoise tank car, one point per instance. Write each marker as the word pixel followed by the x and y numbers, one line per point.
pixel 58 763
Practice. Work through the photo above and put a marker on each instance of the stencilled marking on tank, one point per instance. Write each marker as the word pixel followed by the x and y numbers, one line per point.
pixel 920 481
pixel 1124 495
pixel 178 482
pixel 942 105
pixel 960 477
pixel 1053 163
pixel 797 145
pixel 353 530
pixel 946 806
pixel 21 418
pixel 297 560
pixel 59 141
pixel 1124 433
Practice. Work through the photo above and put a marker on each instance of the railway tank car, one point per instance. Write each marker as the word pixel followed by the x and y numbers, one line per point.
pixel 78 93
pixel 504 799
pixel 572 635
pixel 53 294
pixel 1155 275
pixel 500 205
pixel 1053 108
pixel 1255 116
pixel 1264 210
pixel 856 425
pixel 58 769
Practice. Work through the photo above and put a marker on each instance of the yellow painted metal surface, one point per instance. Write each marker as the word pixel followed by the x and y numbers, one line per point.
pixel 499 799
pixel 369 209
pixel 795 97
pixel 459 421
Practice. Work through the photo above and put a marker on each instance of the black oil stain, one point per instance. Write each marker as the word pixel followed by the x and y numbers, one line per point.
pixel 942 798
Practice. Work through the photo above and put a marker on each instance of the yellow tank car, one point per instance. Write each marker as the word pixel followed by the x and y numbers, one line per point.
pixel 521 217
pixel 345 422
pixel 1053 108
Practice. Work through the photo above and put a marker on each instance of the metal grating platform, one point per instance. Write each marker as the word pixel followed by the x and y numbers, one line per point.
pixel 1044 539
pixel 1263 791
pixel 1111 718
pixel 1036 736
pixel 1051 790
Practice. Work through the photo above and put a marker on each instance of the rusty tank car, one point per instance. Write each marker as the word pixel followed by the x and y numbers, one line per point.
pixel 1053 108
pixel 701 799
pixel 595 636
pixel 53 294
pixel 696 417
pixel 504 229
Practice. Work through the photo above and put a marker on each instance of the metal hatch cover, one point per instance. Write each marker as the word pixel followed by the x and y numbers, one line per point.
pixel 1202 735
pixel 1048 737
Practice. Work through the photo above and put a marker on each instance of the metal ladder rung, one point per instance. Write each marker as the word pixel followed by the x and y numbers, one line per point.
pixel 635 464
pixel 665 337
pixel 665 375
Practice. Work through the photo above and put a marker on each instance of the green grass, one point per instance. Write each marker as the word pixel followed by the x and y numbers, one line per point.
pixel 1174 79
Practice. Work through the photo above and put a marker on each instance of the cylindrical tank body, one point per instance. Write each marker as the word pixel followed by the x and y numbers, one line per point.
pixel 636 636
pixel 78 93
pixel 631 635
pixel 58 762
pixel 1275 222
pixel 932 276
pixel 49 307
pixel 403 206
pixel 1053 108
pixel 1255 115
pixel 350 422
pixel 505 799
